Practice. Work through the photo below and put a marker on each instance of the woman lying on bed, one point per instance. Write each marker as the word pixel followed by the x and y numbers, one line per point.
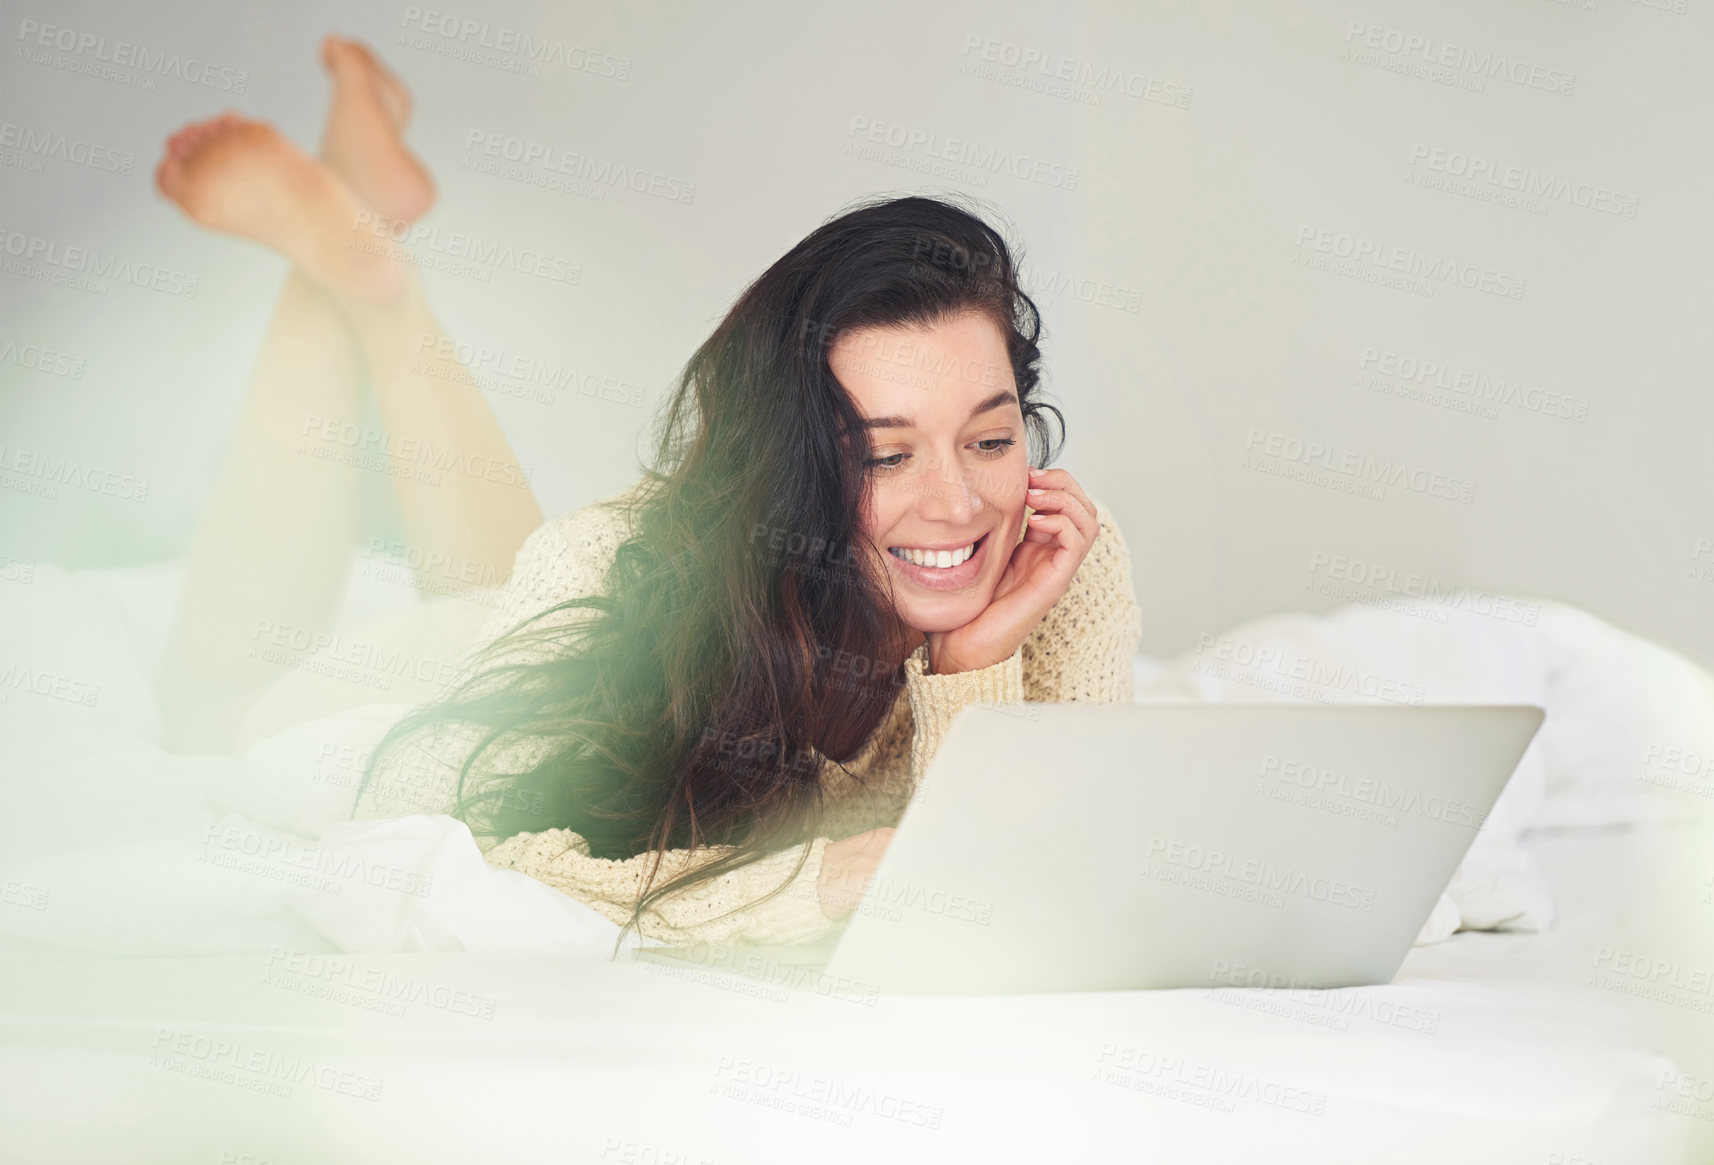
pixel 704 703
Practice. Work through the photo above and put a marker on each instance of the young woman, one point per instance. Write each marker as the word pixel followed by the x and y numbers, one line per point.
pixel 703 703
pixel 728 680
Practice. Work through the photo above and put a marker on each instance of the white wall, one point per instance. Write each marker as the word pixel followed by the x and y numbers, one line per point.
pixel 1192 211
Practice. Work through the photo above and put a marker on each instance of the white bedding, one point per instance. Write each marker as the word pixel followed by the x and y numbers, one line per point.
pixel 155 902
pixel 1464 1058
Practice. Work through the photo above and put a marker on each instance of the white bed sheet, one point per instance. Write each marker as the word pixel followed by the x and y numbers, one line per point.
pixel 1487 1048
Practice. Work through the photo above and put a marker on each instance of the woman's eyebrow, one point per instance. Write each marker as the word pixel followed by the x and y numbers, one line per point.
pixel 998 400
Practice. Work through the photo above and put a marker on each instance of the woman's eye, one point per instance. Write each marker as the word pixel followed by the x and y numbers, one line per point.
pixel 1000 445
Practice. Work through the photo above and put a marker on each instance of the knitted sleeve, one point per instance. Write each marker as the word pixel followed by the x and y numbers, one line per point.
pixel 1084 651
pixel 1081 652
pixel 739 906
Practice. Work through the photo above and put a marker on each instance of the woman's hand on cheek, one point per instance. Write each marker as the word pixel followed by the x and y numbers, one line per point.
pixel 1057 537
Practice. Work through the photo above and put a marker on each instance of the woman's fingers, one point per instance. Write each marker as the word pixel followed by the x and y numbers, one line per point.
pixel 1058 532
pixel 1060 479
pixel 1060 501
pixel 1057 483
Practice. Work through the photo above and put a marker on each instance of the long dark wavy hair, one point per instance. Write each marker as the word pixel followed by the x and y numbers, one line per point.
pixel 679 710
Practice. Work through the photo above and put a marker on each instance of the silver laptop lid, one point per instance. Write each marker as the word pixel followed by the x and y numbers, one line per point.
pixel 1074 847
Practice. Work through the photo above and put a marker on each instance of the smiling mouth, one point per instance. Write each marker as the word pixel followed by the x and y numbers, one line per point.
pixel 937 559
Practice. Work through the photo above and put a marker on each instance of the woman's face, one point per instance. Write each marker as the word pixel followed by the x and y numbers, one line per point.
pixel 949 464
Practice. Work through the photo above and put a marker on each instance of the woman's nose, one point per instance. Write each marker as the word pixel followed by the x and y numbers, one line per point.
pixel 951 491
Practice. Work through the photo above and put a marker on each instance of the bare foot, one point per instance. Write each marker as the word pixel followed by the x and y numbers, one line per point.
pixel 363 141
pixel 241 177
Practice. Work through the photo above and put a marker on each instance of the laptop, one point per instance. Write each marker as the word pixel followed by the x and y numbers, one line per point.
pixel 1100 847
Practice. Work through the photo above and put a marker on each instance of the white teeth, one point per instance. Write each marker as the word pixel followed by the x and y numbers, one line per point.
pixel 940 559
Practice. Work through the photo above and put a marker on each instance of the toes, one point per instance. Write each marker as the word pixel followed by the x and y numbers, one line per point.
pixel 335 51
pixel 352 62
pixel 185 140
pixel 361 55
pixel 348 58
pixel 397 99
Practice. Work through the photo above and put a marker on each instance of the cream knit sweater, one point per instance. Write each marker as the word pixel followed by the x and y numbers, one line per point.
pixel 1081 651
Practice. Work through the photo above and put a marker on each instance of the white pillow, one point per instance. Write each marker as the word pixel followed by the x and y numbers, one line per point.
pixel 1632 726
pixel 69 660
